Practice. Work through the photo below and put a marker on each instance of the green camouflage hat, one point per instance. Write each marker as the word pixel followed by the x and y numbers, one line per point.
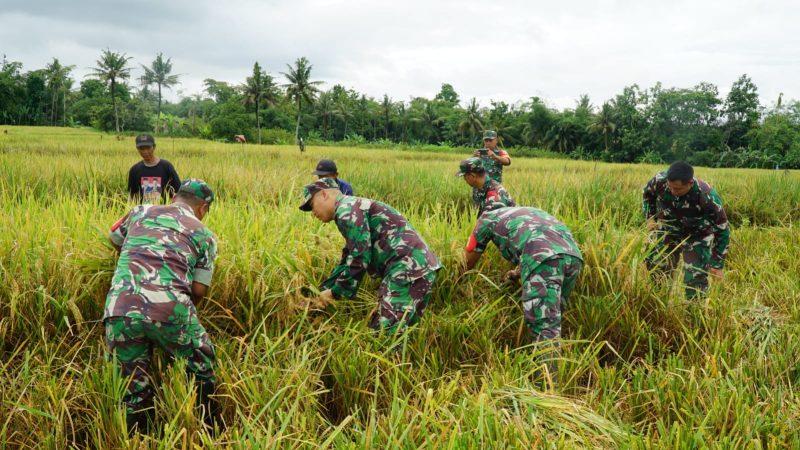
pixel 490 134
pixel 198 188
pixel 470 165
pixel 310 189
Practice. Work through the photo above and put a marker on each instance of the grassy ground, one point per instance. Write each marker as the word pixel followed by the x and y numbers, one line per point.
pixel 642 368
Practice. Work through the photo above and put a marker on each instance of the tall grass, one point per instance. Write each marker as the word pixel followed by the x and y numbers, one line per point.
pixel 640 366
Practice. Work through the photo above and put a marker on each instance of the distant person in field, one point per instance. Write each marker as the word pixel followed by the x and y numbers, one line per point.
pixel 302 145
pixel 548 259
pixel 326 168
pixel 165 265
pixel 491 193
pixel 378 241
pixel 493 159
pixel 685 216
pixel 151 180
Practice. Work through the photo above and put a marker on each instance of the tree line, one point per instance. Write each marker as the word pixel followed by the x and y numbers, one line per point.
pixel 655 124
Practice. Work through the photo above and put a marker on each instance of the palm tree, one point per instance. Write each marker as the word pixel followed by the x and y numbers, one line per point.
pixel 604 123
pixel 258 89
pixel 344 112
pixel 471 123
pixel 326 109
pixel 57 76
pixel 386 109
pixel 112 68
pixel 159 74
pixel 430 120
pixel 300 88
pixel 538 123
pixel 563 135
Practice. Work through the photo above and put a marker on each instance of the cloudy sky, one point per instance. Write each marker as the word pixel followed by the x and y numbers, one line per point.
pixel 502 50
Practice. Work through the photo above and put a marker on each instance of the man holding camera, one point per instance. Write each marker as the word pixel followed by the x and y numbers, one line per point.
pixel 493 159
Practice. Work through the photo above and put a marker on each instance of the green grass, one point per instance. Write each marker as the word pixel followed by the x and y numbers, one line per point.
pixel 641 367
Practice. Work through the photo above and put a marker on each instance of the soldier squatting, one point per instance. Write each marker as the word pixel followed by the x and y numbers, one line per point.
pixel 166 262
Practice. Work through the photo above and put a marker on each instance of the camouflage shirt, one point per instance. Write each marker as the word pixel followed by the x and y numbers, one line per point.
pixel 524 236
pixel 698 213
pixel 493 196
pixel 164 249
pixel 379 241
pixel 494 170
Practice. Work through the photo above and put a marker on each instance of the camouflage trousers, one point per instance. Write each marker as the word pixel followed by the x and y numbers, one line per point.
pixel 663 258
pixel 544 295
pixel 401 303
pixel 130 342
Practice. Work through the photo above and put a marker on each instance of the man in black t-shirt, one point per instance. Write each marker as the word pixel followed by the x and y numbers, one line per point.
pixel 151 179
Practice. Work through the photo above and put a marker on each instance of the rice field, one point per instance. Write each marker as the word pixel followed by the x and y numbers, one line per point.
pixel 641 367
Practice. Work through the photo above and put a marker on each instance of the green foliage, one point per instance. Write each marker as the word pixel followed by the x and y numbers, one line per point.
pixel 638 124
pixel 276 136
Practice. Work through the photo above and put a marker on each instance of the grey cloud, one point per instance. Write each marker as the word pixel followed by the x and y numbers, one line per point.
pixel 507 50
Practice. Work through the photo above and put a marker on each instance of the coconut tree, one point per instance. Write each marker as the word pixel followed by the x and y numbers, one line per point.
pixel 604 124
pixel 386 110
pixel 258 90
pixel 112 67
pixel 300 88
pixel 57 82
pixel 471 123
pixel 160 74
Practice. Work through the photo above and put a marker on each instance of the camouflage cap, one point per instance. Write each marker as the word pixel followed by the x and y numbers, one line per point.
pixel 310 189
pixel 198 188
pixel 470 165
pixel 490 134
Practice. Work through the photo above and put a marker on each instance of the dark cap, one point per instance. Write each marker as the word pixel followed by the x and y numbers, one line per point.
pixel 310 189
pixel 470 165
pixel 325 167
pixel 198 188
pixel 490 134
pixel 145 140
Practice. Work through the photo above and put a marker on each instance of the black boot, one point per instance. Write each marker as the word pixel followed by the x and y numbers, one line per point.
pixel 206 404
pixel 139 421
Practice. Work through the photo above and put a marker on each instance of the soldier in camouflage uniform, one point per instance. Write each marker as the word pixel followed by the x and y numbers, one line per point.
pixel 166 262
pixel 493 160
pixel 548 258
pixel 686 214
pixel 381 242
pixel 491 194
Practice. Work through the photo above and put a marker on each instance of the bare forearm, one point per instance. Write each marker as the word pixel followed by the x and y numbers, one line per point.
pixel 471 259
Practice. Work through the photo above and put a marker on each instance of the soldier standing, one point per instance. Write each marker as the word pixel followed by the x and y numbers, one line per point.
pixel 493 159
pixel 165 265
pixel 549 262
pixel 381 242
pixel 686 214
pixel 492 194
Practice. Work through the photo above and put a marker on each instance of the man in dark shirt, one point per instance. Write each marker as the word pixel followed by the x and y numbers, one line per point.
pixel 151 179
pixel 326 168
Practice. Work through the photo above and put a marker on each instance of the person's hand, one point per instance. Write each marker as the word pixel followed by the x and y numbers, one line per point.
pixel 326 296
pixel 716 273
pixel 476 153
pixel 651 224
pixel 512 276
pixel 321 301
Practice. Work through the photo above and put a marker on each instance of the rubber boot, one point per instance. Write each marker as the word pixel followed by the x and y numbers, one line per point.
pixel 207 405
pixel 139 421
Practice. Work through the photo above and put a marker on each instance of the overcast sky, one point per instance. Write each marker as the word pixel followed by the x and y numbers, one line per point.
pixel 502 50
